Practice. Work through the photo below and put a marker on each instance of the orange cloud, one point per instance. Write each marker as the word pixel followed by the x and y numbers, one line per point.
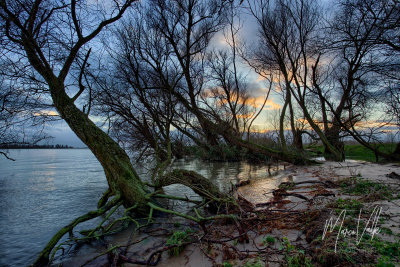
pixel 245 116
pixel 253 101
pixel 46 113
pixel 374 124
pixel 271 105
pixel 358 125
pixel 258 101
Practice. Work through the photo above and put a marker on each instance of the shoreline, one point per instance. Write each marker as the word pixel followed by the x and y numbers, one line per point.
pixel 306 198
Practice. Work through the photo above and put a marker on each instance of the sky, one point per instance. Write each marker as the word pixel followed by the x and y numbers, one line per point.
pixel 248 34
pixel 64 135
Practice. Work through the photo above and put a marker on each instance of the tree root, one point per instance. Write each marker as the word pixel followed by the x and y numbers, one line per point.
pixel 328 184
pixel 240 223
pixel 104 198
pixel 198 183
pixel 222 204
pixel 43 258
pixel 199 219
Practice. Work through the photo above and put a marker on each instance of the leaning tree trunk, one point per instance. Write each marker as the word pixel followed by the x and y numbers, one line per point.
pixel 333 137
pixel 121 176
pixel 293 158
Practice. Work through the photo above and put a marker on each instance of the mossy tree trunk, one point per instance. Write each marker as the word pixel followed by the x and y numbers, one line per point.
pixel 199 184
pixel 121 176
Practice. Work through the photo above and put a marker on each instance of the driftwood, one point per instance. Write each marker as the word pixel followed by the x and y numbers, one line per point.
pixel 242 183
pixel 393 175
pixel 328 184
pixel 283 193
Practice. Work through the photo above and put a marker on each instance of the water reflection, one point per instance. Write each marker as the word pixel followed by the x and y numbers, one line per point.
pixel 45 189
pixel 40 192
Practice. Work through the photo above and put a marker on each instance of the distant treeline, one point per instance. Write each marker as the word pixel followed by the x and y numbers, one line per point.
pixel 29 146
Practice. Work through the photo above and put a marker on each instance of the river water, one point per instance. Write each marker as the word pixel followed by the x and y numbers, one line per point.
pixel 44 189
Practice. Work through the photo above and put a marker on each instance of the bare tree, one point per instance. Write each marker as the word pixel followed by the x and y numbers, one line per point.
pixel 48 42
pixel 356 38
pixel 22 115
pixel 287 48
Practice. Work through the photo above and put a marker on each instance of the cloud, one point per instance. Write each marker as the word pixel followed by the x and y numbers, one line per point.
pixel 271 105
pixel 63 134
pixel 257 102
pixel 368 124
pixel 375 124
pixel 46 113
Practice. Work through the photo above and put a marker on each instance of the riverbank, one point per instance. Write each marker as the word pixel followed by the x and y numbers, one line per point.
pixel 285 227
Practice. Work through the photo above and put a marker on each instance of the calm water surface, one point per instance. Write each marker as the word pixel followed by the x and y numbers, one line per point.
pixel 44 189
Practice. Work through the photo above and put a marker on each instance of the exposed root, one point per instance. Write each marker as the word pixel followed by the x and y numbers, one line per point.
pixel 198 183
pixel 104 198
pixel 43 258
pixel 242 219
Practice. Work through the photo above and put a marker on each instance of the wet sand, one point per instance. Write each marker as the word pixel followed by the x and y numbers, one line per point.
pixel 312 194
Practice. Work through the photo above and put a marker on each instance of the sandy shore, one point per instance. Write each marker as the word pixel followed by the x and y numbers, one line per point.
pixel 309 192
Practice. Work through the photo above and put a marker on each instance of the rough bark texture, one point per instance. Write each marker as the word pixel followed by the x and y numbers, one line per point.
pixel 121 176
pixel 298 139
pixel 333 137
pixel 199 184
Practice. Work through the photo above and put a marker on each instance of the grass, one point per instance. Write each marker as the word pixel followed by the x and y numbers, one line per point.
pixel 358 152
pixel 268 240
pixel 178 238
pixel 287 186
pixel 385 262
pixel 359 186
pixel 254 263
pixel 348 204
pixel 386 248
pixel 294 257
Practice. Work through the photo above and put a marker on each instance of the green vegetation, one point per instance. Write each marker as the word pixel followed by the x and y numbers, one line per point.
pixel 387 231
pixel 287 186
pixel 222 152
pixel 359 186
pixel 386 248
pixel 177 239
pixel 389 252
pixel 294 258
pixel 385 262
pixel 352 206
pixel 254 263
pixel 268 240
pixel 357 152
pixel 360 152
